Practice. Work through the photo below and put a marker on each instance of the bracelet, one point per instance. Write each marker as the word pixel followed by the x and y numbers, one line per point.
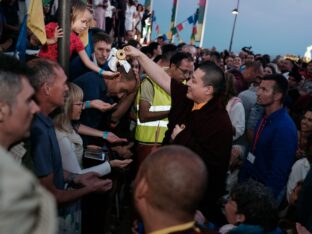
pixel 105 135
pixel 100 71
pixel 88 104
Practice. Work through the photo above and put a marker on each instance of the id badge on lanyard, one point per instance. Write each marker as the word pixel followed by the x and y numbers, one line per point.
pixel 251 157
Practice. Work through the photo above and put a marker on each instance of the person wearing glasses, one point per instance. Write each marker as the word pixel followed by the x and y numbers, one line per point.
pixel 70 142
pixel 153 103
pixel 181 66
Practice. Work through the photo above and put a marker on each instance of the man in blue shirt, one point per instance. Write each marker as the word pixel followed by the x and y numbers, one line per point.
pixel 51 89
pixel 274 144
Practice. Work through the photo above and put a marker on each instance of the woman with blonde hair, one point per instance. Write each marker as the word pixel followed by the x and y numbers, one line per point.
pixel 70 142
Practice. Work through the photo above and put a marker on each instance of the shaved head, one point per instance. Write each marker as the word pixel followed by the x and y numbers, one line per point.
pixel 176 179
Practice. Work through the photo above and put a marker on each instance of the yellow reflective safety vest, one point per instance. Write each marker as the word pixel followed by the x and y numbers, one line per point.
pixel 154 131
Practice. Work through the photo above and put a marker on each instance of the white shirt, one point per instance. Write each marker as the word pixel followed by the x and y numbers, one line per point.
pixel 236 113
pixel 109 10
pixel 98 2
pixel 71 148
pixel 298 173
pixel 129 20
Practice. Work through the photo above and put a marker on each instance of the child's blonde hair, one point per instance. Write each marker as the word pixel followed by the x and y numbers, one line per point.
pixel 78 8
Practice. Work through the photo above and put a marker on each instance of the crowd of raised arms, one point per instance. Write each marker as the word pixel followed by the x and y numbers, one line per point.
pixel 148 136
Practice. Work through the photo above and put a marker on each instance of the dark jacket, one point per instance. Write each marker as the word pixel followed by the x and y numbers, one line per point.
pixel 208 132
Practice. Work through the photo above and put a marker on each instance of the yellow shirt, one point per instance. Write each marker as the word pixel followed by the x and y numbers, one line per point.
pixel 176 228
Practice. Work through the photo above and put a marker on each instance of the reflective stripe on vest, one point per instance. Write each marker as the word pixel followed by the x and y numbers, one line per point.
pixel 154 131
pixel 160 123
pixel 157 108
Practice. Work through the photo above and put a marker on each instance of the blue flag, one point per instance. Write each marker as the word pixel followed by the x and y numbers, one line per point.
pixel 165 37
pixel 196 16
pixel 89 49
pixel 20 49
pixel 190 20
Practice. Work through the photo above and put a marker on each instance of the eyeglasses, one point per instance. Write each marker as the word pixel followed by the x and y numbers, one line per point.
pixel 186 73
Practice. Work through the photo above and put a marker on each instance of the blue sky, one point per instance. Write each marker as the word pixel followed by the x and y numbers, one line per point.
pixel 269 26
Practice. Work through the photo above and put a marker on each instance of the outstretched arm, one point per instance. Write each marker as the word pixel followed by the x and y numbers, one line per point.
pixel 154 71
pixel 63 196
pixel 109 136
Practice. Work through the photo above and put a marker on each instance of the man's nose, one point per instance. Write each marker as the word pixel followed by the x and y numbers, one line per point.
pixel 34 107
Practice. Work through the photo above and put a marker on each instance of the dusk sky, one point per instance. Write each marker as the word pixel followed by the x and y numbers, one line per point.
pixel 269 26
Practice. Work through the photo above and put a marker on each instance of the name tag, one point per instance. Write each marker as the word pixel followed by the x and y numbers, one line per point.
pixel 251 158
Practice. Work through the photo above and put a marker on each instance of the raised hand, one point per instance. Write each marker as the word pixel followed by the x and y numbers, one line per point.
pixel 102 185
pixel 110 75
pixel 102 106
pixel 112 138
pixel 86 179
pixel 124 151
pixel 132 52
pixel 120 163
pixel 58 33
pixel 93 183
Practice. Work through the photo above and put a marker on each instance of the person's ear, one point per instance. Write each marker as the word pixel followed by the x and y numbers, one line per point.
pixel 278 96
pixel 209 90
pixel 240 218
pixel 46 89
pixel 141 189
pixel 141 195
pixel 4 110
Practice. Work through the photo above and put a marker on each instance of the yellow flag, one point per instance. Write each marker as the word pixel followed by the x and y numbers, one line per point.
pixel 84 37
pixel 35 20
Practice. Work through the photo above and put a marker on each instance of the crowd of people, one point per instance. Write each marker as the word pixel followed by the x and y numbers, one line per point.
pixel 121 19
pixel 197 140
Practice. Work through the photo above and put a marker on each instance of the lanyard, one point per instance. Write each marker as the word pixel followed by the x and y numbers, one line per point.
pixel 259 131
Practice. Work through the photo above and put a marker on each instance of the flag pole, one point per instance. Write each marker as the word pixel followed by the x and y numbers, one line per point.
pixel 173 19
pixel 204 25
pixel 201 21
pixel 194 29
pixel 63 42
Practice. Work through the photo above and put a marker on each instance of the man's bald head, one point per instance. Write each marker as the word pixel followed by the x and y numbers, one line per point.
pixel 176 179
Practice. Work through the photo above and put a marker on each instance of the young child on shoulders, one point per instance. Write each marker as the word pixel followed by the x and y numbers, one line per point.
pixel 80 20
